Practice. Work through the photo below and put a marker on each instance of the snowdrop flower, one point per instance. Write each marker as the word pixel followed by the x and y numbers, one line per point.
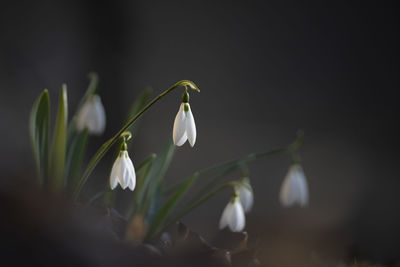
pixel 233 216
pixel 294 188
pixel 122 171
pixel 245 194
pixel 92 116
pixel 184 126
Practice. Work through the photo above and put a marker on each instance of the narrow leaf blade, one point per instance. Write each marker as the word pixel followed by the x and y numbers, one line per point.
pixel 39 125
pixel 58 151
pixel 156 175
pixel 169 206
pixel 142 172
pixel 75 155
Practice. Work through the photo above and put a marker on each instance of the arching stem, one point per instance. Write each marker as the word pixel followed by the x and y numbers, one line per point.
pixel 107 145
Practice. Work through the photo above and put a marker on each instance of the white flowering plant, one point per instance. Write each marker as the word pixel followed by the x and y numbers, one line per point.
pixel 154 202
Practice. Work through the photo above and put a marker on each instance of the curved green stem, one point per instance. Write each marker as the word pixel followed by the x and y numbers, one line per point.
pixel 106 146
pixel 230 165
pixel 202 196
pixel 127 135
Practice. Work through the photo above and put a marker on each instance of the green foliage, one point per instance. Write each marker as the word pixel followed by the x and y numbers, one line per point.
pixel 155 177
pixel 107 145
pixel 59 142
pixel 77 141
pixel 39 127
pixel 158 206
pixel 167 208
pixel 75 155
pixel 215 175
pixel 60 163
pixel 142 172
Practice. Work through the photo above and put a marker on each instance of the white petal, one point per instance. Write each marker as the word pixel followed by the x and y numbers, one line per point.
pixel 226 214
pixel 302 187
pixel 119 171
pixel 237 220
pixel 182 140
pixel 132 184
pixel 124 179
pixel 285 195
pixel 100 115
pixel 132 174
pixel 179 131
pixel 294 187
pixel 82 115
pixel 91 122
pixel 246 196
pixel 190 127
pixel 92 116
pixel 114 173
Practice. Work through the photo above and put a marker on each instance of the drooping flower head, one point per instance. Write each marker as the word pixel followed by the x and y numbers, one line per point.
pixel 245 193
pixel 294 189
pixel 184 125
pixel 92 116
pixel 233 215
pixel 122 171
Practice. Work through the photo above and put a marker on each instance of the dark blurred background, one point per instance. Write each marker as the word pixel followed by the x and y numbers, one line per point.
pixel 266 69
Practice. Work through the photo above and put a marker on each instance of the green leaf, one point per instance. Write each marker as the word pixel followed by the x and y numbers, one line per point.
pixel 59 142
pixel 75 155
pixel 155 204
pixel 92 163
pixel 109 197
pixel 39 124
pixel 169 206
pixel 92 88
pixel 77 141
pixel 155 176
pixel 142 172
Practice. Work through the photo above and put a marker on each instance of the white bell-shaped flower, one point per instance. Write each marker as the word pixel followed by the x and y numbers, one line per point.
pixel 245 194
pixel 184 126
pixel 92 116
pixel 294 189
pixel 233 216
pixel 123 172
